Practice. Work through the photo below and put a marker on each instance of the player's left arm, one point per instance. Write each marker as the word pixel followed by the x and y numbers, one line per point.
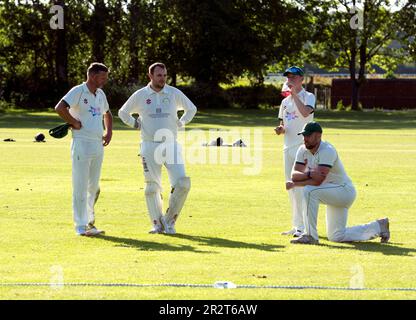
pixel 184 103
pixel 108 124
pixel 302 175
pixel 313 177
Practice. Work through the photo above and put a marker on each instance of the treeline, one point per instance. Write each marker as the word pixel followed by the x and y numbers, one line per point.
pixel 206 42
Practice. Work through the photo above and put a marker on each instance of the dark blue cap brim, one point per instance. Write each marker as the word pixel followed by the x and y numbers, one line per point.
pixel 297 73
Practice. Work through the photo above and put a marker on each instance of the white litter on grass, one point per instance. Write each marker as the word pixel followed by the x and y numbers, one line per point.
pixel 225 285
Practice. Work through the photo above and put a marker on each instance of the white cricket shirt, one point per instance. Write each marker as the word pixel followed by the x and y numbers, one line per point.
pixel 89 109
pixel 327 156
pixel 293 120
pixel 157 110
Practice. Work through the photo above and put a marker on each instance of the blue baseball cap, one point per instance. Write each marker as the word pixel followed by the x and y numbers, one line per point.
pixel 294 70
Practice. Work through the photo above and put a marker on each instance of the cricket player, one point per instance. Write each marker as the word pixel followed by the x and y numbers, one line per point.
pixel 157 105
pixel 320 172
pixel 85 107
pixel 295 111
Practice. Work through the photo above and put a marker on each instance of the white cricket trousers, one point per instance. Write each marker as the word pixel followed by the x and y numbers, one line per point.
pixel 338 199
pixel 295 194
pixel 87 158
pixel 156 154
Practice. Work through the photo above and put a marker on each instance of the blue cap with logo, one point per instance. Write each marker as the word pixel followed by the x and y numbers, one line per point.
pixel 294 70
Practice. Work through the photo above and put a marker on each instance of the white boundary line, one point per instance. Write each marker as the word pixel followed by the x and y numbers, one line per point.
pixel 189 285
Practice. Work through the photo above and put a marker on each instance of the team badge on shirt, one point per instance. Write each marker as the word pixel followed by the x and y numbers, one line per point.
pixel 165 101
pixel 291 116
pixel 148 101
pixel 95 111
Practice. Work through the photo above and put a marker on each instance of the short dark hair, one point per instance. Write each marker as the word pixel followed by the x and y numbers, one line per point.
pixel 156 64
pixel 97 67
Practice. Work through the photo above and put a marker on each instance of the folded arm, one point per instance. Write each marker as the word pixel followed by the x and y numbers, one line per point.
pixel 302 176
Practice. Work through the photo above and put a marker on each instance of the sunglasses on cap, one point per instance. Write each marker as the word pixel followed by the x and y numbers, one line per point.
pixel 293 70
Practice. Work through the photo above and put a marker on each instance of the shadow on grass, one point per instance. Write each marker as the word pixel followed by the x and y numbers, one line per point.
pixel 147 245
pixel 207 241
pixel 388 249
pixel 226 243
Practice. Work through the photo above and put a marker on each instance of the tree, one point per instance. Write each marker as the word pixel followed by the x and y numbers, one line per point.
pixel 215 41
pixel 61 54
pixel 25 50
pixel 350 36
pixel 407 29
pixel 97 29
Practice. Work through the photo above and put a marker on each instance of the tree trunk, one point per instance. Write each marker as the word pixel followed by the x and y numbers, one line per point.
pixel 174 79
pixel 116 34
pixel 134 67
pixel 352 67
pixel 98 31
pixel 363 52
pixel 354 94
pixel 61 56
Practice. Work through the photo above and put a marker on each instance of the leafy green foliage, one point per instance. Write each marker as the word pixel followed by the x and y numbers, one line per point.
pixel 209 42
pixel 353 36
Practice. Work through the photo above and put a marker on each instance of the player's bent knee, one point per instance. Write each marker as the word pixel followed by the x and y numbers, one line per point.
pixel 151 188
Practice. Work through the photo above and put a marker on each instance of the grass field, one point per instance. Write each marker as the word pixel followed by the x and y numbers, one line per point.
pixel 229 229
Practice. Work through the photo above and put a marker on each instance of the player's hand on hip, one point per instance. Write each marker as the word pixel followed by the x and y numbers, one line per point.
pixel 107 138
pixel 76 125
pixel 180 123
pixel 290 185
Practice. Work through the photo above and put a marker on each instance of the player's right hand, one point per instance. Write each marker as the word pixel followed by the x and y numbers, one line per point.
pixel 290 185
pixel 279 130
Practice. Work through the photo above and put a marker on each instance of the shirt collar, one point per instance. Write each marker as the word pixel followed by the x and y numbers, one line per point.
pixel 85 89
pixel 151 91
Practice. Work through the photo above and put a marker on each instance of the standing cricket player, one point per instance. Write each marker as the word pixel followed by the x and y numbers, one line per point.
pixel 320 172
pixel 157 105
pixel 295 111
pixel 84 107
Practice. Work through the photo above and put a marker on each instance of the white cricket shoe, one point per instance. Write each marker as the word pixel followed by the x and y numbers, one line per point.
pixel 305 239
pixel 293 232
pixel 156 229
pixel 384 230
pixel 92 231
